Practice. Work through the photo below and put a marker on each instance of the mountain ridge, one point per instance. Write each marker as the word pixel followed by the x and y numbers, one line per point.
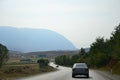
pixel 32 40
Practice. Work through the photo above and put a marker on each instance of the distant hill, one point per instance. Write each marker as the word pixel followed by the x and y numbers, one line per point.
pixel 32 40
pixel 50 54
pixel 87 49
pixel 40 54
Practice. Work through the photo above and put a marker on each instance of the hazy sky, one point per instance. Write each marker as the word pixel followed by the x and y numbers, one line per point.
pixel 80 21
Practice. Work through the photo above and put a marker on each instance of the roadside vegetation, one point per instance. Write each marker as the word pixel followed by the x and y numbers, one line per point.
pixel 12 69
pixel 22 70
pixel 104 54
pixel 3 55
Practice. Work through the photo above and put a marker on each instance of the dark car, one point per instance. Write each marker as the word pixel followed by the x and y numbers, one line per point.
pixel 57 66
pixel 80 69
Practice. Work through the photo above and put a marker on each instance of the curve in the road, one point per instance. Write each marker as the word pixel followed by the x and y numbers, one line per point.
pixel 64 73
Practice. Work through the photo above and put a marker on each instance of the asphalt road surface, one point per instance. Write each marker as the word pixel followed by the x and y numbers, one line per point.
pixel 64 73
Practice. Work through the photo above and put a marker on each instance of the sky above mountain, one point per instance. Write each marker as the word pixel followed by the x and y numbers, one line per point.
pixel 80 21
pixel 31 40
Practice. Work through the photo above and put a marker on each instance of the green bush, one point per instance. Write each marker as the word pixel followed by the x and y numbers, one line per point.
pixel 43 62
pixel 3 54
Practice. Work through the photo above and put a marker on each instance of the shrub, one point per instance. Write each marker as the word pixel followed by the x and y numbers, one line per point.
pixel 43 62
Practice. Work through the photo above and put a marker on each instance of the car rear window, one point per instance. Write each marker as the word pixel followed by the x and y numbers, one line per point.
pixel 80 66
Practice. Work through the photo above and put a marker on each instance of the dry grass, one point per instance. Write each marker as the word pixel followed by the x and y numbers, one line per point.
pixel 116 68
pixel 22 70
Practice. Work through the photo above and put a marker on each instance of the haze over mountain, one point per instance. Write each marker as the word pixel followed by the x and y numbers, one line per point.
pixel 31 40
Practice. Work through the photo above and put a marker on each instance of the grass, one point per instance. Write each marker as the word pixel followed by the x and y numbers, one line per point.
pixel 115 69
pixel 17 70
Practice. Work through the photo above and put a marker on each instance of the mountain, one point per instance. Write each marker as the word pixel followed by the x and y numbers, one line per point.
pixel 32 40
pixel 87 49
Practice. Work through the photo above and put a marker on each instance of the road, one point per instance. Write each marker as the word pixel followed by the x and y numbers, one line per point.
pixel 64 73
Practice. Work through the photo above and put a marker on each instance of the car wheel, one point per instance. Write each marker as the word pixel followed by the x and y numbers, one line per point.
pixel 87 75
pixel 73 75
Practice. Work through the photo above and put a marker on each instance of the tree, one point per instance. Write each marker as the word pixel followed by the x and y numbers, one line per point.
pixel 115 42
pixel 43 63
pixel 63 60
pixel 99 52
pixel 82 51
pixel 98 46
pixel 103 52
pixel 74 59
pixel 3 54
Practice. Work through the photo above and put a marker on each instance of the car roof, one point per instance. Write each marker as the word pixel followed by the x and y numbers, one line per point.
pixel 80 65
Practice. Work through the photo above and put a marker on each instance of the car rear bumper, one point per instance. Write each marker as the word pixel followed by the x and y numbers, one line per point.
pixel 80 71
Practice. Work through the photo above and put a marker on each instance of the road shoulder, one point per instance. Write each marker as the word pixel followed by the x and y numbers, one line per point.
pixel 108 75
